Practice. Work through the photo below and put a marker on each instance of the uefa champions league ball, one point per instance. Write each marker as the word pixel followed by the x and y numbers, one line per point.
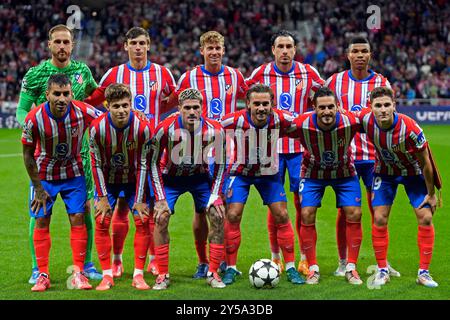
pixel 264 273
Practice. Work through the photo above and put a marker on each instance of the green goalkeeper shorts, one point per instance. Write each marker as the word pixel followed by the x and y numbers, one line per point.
pixel 86 159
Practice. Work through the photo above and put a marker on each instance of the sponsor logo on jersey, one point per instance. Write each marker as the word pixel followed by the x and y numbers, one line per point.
pixel 215 106
pixel 356 107
pixel 285 101
pixel 61 150
pixel 118 160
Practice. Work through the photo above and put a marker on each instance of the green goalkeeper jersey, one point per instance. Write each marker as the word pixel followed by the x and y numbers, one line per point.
pixel 34 84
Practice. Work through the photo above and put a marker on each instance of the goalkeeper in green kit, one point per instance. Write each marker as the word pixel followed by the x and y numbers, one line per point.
pixel 60 43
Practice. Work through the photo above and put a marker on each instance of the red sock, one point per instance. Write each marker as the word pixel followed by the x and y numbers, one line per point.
pixel 286 239
pixel 341 234
pixel 151 227
pixel 298 218
pixel 42 245
pixel 308 235
pixel 120 226
pixel 425 240
pixel 369 202
pixel 103 241
pixel 380 242
pixel 162 258
pixel 141 239
pixel 216 254
pixel 78 242
pixel 272 228
pixel 232 241
pixel 354 238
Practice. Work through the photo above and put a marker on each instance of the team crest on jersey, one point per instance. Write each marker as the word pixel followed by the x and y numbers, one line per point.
pixel 298 84
pixel 131 145
pixel 74 132
pixel 341 142
pixel 229 89
pixel 78 78
pixel 153 85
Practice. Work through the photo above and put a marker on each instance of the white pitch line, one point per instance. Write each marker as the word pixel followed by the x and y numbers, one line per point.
pixel 10 155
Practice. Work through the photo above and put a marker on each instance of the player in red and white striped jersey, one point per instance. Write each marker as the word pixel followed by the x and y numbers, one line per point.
pixel 292 83
pixel 187 139
pixel 119 143
pixel 255 132
pixel 52 137
pixel 327 160
pixel 221 87
pixel 352 89
pixel 151 84
pixel 402 158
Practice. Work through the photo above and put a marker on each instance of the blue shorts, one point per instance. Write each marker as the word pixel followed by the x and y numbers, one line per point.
pixel 348 191
pixel 365 172
pixel 73 193
pixel 293 163
pixel 269 187
pixel 199 186
pixel 384 189
pixel 124 190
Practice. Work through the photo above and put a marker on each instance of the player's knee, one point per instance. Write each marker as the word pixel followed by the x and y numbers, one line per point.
pixel 426 219
pixel 233 216
pixel 380 220
pixel 280 216
pixel 76 219
pixel 353 214
pixel 42 223
pixel 87 207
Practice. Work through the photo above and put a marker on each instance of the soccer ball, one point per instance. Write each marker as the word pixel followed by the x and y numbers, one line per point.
pixel 264 273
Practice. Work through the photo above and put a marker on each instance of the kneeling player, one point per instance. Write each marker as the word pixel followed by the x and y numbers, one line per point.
pixel 326 135
pixel 119 143
pixel 56 128
pixel 255 162
pixel 402 158
pixel 187 138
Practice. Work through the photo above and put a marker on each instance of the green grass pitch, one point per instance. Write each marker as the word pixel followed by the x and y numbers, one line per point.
pixel 403 251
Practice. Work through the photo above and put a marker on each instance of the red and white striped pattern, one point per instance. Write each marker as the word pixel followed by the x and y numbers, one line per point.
pixel 353 95
pixel 253 152
pixel 292 91
pixel 220 91
pixel 327 154
pixel 58 142
pixel 185 154
pixel 120 155
pixel 396 147
pixel 148 86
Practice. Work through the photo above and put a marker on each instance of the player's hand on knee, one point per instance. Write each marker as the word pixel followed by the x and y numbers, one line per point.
pixel 142 210
pixel 216 202
pixel 161 211
pixel 102 208
pixel 41 197
pixel 431 200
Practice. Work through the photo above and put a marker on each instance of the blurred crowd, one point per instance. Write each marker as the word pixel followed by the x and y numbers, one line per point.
pixel 411 47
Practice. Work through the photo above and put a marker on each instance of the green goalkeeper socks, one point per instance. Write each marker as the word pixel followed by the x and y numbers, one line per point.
pixel 30 238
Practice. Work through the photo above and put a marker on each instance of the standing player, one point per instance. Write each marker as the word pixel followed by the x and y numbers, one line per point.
pixel 52 138
pixel 119 144
pixel 60 43
pixel 255 162
pixel 221 86
pixel 187 139
pixel 292 83
pixel 150 85
pixel 326 135
pixel 352 88
pixel 402 158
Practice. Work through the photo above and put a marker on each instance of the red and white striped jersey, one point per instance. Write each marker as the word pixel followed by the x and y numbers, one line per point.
pixel 119 155
pixel 220 91
pixel 353 95
pixel 292 91
pixel 254 149
pixel 185 154
pixel 148 86
pixel 396 146
pixel 327 154
pixel 57 141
